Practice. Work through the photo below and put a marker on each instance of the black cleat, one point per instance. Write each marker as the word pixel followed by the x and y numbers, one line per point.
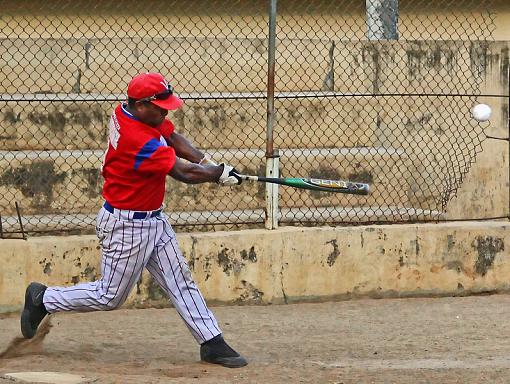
pixel 34 310
pixel 217 351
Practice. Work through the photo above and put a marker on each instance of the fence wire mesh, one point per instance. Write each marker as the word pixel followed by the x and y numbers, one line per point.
pixel 377 91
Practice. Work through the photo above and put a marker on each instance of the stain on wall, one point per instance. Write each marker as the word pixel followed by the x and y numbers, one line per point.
pixel 457 266
pixel 250 294
pixel 154 291
pixel 363 176
pixel 451 241
pixel 193 254
pixel 35 181
pixel 487 248
pixel 54 125
pixel 333 255
pixel 93 181
pixel 61 115
pixel 230 263
pixel 225 261
pixel 46 265
pixel 416 245
pixel 249 255
pixel 89 273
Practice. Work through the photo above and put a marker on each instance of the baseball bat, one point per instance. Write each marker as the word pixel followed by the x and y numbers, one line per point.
pixel 314 184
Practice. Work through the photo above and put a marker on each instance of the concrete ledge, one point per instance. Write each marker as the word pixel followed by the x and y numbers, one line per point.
pixel 86 222
pixel 290 264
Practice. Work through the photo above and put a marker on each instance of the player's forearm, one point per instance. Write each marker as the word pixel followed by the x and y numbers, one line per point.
pixel 191 173
pixel 184 149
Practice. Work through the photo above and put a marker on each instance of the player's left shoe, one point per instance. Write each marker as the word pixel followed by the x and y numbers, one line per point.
pixel 34 310
pixel 217 351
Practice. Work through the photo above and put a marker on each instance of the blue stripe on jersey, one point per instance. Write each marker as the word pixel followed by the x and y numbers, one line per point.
pixel 146 152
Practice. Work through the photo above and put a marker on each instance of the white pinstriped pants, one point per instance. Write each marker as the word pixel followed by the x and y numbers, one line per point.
pixel 129 246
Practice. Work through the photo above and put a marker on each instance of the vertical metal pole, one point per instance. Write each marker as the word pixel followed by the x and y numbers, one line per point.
pixel 382 19
pixel 272 163
pixel 20 221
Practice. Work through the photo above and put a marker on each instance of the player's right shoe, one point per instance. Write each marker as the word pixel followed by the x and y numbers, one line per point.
pixel 34 310
pixel 217 351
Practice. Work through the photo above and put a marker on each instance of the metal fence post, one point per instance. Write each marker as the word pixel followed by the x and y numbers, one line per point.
pixel 382 19
pixel 272 157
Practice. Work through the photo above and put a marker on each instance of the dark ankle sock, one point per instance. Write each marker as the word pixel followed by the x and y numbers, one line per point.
pixel 215 340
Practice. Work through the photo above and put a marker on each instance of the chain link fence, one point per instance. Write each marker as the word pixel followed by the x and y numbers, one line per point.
pixel 377 91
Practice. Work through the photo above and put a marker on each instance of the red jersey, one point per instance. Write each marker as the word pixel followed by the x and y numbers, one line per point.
pixel 136 163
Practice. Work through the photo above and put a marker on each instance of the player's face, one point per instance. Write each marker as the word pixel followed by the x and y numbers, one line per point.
pixel 150 114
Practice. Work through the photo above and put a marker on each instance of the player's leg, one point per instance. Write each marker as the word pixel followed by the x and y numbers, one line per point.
pixel 126 247
pixel 171 272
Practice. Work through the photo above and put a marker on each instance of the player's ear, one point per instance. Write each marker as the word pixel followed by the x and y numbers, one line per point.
pixel 140 105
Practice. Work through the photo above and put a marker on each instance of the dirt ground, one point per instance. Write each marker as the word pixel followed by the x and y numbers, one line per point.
pixel 433 340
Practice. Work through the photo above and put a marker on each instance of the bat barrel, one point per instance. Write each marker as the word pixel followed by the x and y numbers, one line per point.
pixel 338 186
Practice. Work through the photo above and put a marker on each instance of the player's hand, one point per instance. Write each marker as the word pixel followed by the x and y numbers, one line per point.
pixel 229 176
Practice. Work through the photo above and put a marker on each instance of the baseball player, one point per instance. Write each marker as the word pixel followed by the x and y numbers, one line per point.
pixel 133 231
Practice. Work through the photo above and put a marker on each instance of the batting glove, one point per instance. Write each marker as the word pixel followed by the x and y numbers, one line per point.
pixel 229 176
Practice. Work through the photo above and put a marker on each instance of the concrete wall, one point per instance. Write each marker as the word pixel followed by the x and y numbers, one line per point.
pixel 289 264
pixel 360 68
pixel 184 17
pixel 484 191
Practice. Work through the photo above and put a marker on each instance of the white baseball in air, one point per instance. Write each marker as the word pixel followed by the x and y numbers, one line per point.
pixel 481 112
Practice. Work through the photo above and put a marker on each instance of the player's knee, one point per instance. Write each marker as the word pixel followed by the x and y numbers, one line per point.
pixel 109 302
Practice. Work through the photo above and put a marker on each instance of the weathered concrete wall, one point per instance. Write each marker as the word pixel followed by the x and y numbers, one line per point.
pixel 290 264
pixel 360 68
pixel 48 186
pixel 348 17
pixel 216 124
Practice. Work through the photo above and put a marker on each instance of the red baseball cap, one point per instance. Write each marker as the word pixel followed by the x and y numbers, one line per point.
pixel 153 87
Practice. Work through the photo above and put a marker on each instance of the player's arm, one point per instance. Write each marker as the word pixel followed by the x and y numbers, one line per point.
pixel 191 173
pixel 184 149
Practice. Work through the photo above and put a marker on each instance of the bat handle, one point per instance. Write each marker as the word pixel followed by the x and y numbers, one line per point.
pixel 248 177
